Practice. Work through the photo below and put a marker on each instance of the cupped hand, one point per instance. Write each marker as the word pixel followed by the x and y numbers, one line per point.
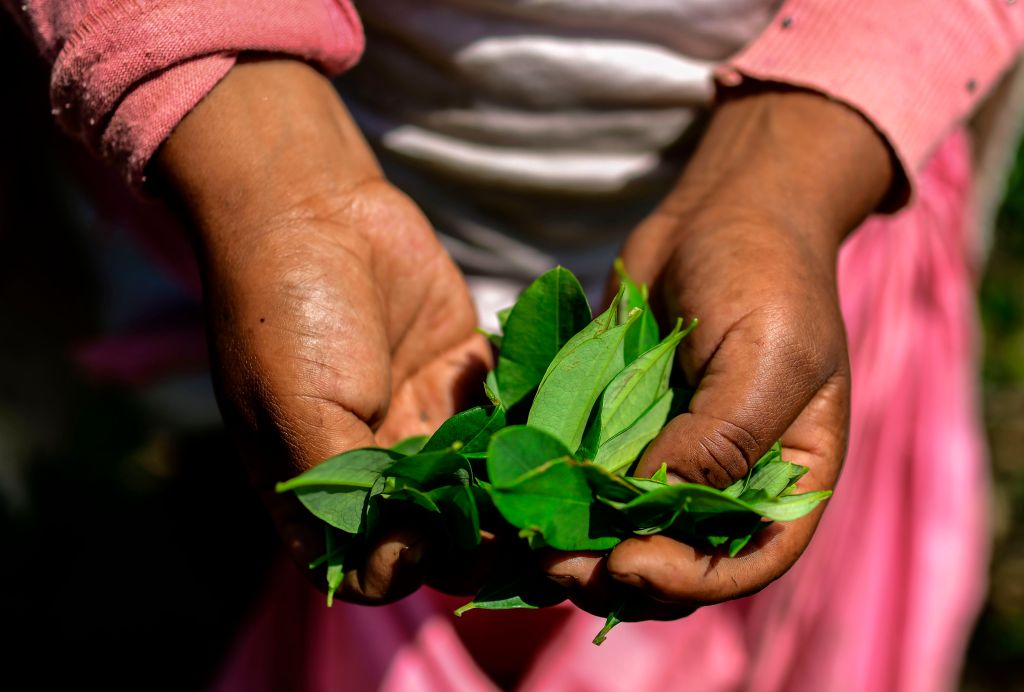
pixel 747 243
pixel 336 319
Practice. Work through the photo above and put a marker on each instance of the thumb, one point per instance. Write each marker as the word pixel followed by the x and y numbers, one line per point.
pixel 759 380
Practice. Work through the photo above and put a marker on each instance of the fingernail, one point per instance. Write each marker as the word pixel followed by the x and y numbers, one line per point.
pixel 564 580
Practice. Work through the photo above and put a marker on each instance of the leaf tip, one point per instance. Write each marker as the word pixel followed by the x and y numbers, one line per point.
pixel 690 327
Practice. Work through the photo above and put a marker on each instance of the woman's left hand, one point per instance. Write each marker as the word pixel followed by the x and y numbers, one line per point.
pixel 748 243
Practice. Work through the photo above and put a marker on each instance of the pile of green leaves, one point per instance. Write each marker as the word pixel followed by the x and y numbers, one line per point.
pixel 575 400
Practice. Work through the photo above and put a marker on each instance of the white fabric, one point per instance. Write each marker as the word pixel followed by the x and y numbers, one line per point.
pixel 536 132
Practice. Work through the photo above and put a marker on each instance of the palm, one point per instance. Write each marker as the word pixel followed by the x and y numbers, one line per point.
pixel 338 331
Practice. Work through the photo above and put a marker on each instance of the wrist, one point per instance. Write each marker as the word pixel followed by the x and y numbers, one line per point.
pixel 784 159
pixel 271 144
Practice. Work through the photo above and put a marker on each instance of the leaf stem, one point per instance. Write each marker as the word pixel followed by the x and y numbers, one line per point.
pixel 301 482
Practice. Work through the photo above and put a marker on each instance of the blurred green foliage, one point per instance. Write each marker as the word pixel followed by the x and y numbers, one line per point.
pixel 1001 298
pixel 996 656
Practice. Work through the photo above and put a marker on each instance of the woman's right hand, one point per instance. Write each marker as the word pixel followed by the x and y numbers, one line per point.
pixel 335 318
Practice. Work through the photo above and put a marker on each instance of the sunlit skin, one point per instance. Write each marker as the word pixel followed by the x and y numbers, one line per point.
pixel 336 320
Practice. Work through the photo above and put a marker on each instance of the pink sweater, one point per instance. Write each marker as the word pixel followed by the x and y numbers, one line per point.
pixel 126 71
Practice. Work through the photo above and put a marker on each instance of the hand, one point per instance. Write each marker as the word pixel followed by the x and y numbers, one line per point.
pixel 336 320
pixel 748 243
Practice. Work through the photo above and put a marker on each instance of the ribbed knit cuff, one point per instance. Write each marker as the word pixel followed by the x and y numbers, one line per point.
pixel 132 69
pixel 913 68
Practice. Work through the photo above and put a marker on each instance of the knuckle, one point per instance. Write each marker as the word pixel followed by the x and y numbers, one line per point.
pixel 729 452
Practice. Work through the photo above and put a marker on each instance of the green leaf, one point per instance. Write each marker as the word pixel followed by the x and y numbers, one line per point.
pixel 633 390
pixel 523 589
pixel 661 475
pixel 336 490
pixel 600 324
pixel 773 455
pixel 738 544
pixel 645 484
pixel 502 316
pixel 658 509
pixel 555 501
pixel 357 468
pixel 623 609
pixel 492 392
pixel 416 497
pixel 459 513
pixel 548 313
pixel 772 480
pixel 472 429
pixel 342 509
pixel 771 476
pixel 642 336
pixel 621 452
pixel 337 549
pixel 634 296
pixel 627 605
pixel 575 380
pixel 611 621
pixel 519 449
pixel 718 529
pixel 790 507
pixel 410 445
pixel 737 488
pixel 431 469
pixel 644 333
pixel 371 509
pixel 608 486
pixel 768 478
pixel 697 506
pixel 482 496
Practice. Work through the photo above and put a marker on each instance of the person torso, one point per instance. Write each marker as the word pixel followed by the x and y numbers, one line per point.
pixel 535 132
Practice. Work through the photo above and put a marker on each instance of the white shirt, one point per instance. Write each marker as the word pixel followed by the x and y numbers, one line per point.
pixel 539 132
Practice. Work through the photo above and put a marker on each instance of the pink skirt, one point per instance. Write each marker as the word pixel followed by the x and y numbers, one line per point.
pixel 883 599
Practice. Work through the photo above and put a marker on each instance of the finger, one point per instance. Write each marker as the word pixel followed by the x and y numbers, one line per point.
pixel 758 381
pixel 393 568
pixel 668 570
pixel 583 576
pixel 592 588
pixel 572 570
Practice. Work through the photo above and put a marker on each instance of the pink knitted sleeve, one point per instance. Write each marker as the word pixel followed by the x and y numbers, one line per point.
pixel 914 68
pixel 126 71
